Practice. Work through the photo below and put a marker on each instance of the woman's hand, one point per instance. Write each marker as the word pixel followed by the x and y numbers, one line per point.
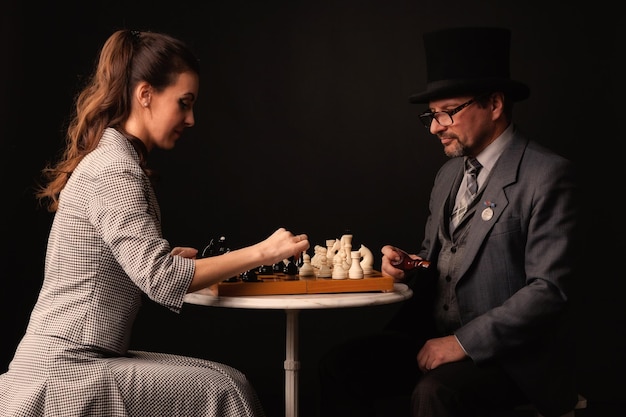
pixel 185 252
pixel 281 245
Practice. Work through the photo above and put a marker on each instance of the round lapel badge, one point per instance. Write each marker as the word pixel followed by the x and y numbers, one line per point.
pixel 487 214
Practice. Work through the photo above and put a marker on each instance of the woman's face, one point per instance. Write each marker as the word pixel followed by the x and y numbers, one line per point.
pixel 164 115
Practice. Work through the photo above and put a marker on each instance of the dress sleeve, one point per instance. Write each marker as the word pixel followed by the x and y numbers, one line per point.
pixel 125 213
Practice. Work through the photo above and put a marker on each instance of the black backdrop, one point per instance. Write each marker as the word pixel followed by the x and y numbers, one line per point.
pixel 303 121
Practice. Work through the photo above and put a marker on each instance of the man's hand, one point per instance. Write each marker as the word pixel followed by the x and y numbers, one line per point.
pixel 438 351
pixel 390 255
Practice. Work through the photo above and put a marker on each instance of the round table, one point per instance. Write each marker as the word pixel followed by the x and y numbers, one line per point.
pixel 292 304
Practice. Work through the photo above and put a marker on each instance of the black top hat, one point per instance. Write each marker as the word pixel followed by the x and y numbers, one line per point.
pixel 468 61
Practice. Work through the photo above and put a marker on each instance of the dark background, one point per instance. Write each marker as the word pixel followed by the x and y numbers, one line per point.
pixel 303 121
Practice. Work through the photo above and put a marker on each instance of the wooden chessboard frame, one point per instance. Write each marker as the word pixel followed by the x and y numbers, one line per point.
pixel 284 284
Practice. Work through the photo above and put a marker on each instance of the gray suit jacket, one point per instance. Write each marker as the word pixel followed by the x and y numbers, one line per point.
pixel 514 283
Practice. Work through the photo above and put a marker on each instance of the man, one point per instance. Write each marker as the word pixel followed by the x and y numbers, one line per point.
pixel 488 326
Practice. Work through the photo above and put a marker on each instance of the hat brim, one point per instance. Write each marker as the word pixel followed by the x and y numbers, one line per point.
pixel 515 90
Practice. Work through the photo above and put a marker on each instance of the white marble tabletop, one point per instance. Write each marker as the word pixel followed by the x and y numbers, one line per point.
pixel 303 301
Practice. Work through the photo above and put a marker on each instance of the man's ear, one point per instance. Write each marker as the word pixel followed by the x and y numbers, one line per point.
pixel 496 101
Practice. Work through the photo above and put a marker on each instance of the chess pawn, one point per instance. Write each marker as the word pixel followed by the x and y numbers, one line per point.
pixel 338 271
pixel 355 271
pixel 324 270
pixel 306 270
pixel 367 263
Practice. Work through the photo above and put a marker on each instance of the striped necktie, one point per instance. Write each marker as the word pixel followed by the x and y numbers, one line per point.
pixel 472 167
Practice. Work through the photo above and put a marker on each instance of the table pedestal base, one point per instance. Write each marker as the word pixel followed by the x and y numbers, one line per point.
pixel 292 304
pixel 292 365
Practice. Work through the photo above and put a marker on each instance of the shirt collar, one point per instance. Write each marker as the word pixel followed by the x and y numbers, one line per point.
pixel 489 156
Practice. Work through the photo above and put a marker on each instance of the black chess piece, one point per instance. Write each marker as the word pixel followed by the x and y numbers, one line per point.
pixel 217 247
pixel 291 268
pixel 300 260
pixel 278 267
pixel 266 270
pixel 249 276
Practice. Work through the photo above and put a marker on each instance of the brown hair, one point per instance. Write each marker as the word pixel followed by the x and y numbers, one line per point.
pixel 126 58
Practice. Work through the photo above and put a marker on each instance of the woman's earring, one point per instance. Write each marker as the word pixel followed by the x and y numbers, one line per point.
pixel 145 104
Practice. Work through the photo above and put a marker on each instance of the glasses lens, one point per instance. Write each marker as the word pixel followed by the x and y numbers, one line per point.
pixel 443 118
pixel 427 119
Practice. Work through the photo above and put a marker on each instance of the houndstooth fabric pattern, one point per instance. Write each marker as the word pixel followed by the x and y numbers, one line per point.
pixel 104 250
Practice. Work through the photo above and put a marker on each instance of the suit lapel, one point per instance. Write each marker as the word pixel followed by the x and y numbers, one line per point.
pixel 493 199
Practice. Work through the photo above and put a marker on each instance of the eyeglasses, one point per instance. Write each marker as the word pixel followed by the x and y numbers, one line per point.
pixel 444 117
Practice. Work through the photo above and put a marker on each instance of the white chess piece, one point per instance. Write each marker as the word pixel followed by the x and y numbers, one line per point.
pixel 367 263
pixel 332 252
pixel 306 270
pixel 338 271
pixel 346 240
pixel 355 271
pixel 346 247
pixel 324 270
pixel 330 243
pixel 315 259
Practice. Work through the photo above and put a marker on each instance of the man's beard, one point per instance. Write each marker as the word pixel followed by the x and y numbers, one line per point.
pixel 455 150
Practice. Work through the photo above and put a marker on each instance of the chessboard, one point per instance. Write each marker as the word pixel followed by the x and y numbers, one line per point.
pixel 294 284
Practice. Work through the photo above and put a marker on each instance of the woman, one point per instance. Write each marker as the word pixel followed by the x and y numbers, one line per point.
pixel 105 249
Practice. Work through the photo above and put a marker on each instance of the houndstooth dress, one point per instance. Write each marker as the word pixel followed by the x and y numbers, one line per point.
pixel 105 248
